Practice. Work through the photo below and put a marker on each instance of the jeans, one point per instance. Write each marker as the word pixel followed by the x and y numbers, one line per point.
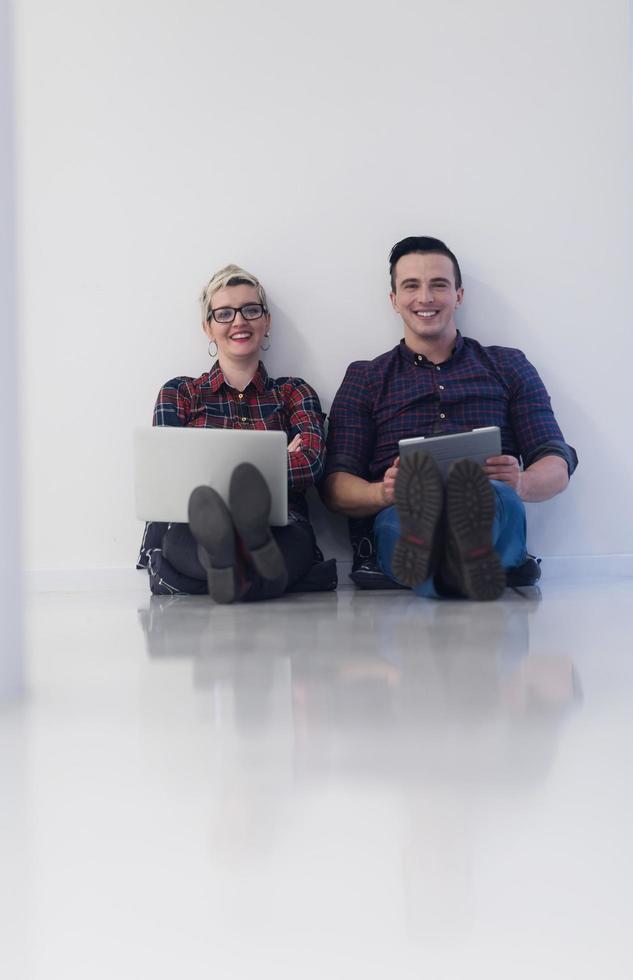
pixel 508 535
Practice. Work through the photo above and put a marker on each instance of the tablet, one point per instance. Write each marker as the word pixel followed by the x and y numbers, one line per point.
pixel 170 461
pixel 478 444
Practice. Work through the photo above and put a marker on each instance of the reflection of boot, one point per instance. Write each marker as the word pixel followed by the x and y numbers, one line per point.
pixel 250 501
pixel 471 563
pixel 176 626
pixel 419 498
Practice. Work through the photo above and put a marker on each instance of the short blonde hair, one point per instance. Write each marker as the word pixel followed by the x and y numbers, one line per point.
pixel 230 275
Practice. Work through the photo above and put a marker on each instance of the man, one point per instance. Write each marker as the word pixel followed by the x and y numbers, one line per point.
pixel 463 537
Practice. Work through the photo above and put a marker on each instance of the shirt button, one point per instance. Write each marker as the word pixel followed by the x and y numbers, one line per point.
pixel 437 367
pixel 442 416
pixel 244 420
pixel 441 387
pixel 241 395
pixel 419 357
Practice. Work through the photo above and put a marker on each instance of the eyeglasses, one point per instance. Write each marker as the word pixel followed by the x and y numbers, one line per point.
pixel 226 314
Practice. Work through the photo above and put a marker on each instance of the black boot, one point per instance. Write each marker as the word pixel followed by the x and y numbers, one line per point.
pixel 249 500
pixel 211 525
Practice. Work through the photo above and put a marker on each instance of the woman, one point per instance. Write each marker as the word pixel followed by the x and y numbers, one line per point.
pixel 231 552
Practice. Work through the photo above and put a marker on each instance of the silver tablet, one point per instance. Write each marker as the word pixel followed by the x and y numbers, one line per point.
pixel 478 444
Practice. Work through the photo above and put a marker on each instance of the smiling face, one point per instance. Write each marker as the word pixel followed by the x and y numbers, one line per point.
pixel 240 339
pixel 426 298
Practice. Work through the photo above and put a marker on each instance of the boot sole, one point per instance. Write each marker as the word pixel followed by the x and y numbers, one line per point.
pixel 211 525
pixel 470 513
pixel 419 497
pixel 250 501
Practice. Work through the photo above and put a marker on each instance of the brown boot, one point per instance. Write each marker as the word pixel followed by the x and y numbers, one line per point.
pixel 471 565
pixel 419 499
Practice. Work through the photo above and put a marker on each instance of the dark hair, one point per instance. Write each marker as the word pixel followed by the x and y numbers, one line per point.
pixel 420 243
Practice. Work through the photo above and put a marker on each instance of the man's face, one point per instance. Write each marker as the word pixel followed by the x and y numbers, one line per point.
pixel 426 297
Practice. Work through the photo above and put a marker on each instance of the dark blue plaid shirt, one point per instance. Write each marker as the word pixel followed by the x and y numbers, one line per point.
pixel 402 394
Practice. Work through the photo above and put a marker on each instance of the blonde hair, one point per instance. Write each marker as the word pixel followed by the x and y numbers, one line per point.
pixel 230 275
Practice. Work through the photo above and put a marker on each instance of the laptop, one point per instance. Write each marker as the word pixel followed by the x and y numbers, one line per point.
pixel 169 462
pixel 478 444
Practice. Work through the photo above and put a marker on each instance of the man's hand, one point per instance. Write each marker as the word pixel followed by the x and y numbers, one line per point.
pixel 389 482
pixel 354 496
pixel 506 469
pixel 540 481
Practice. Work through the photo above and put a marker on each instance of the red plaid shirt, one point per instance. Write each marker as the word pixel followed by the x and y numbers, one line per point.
pixel 287 404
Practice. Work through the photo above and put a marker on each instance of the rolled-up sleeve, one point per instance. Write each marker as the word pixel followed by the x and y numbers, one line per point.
pixel 532 418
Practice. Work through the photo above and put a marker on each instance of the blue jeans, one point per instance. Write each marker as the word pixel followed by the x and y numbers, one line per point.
pixel 508 535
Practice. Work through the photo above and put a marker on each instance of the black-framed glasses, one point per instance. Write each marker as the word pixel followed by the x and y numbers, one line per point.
pixel 226 314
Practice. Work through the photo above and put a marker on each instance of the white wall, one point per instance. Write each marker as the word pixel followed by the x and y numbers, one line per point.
pixel 159 141
pixel 11 668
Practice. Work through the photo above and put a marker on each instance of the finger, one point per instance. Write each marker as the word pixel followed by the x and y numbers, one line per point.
pixel 502 461
pixel 500 473
pixel 504 478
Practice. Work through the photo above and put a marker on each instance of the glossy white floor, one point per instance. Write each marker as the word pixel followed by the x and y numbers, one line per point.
pixel 329 786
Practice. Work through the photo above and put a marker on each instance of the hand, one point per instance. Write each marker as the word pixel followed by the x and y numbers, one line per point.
pixel 388 485
pixel 506 469
pixel 294 444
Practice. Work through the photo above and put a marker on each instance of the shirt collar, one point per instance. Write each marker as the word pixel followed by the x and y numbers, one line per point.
pixel 408 355
pixel 216 379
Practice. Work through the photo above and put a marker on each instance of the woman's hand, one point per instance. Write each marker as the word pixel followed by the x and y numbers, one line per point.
pixel 294 444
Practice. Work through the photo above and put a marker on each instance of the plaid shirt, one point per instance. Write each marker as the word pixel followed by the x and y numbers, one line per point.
pixel 401 394
pixel 287 404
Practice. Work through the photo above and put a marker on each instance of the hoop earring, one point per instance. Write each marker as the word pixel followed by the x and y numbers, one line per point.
pixel 213 353
pixel 267 336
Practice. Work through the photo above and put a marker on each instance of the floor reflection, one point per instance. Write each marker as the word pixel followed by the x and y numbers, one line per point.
pixel 441 707
pixel 381 663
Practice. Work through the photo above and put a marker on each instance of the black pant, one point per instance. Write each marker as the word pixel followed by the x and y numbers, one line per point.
pixel 178 570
